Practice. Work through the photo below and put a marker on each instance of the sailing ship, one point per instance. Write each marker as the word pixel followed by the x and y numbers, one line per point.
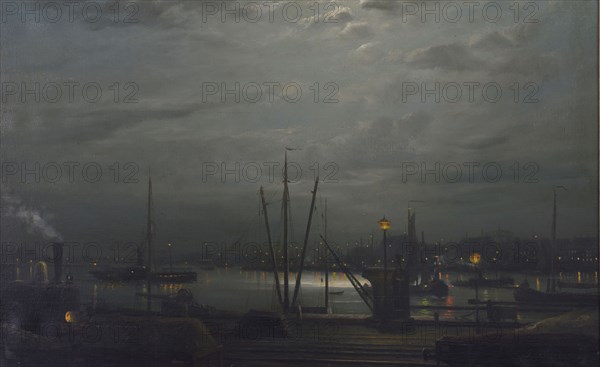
pixel 419 271
pixel 524 294
pixel 141 271
pixel 436 287
pixel 283 296
pixel 123 274
pixel 576 285
pixel 115 274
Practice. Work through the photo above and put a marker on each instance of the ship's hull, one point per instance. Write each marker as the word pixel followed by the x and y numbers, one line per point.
pixel 135 274
pixel 437 288
pixel 492 283
pixel 175 277
pixel 531 296
pixel 121 274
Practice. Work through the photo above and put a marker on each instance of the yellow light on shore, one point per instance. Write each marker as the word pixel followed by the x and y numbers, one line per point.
pixel 384 224
pixel 69 317
pixel 475 258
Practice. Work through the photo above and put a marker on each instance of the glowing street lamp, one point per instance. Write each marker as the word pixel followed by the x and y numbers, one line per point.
pixel 475 259
pixel 384 224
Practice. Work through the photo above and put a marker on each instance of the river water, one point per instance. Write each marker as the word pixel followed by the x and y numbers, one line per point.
pixel 237 290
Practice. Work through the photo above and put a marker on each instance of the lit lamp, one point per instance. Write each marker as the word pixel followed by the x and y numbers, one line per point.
pixel 69 317
pixel 475 259
pixel 170 259
pixel 384 224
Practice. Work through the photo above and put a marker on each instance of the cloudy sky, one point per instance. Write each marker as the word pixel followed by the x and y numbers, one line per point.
pixel 372 60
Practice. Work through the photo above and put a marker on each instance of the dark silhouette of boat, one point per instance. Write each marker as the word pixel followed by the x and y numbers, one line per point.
pixel 336 293
pixel 436 287
pixel 525 294
pixel 502 282
pixel 174 276
pixel 28 304
pixel 115 274
pixel 576 285
pixel 138 273
pixel 141 271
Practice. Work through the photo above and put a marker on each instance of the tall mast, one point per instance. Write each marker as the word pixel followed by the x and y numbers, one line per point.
pixel 553 283
pixel 149 242
pixel 149 226
pixel 326 264
pixel 305 244
pixel 286 263
pixel 552 252
pixel 271 251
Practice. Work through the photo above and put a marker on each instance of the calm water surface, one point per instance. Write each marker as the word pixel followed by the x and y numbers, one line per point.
pixel 234 289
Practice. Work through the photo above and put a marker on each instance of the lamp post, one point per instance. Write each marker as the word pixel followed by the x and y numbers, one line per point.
pixel 384 224
pixel 170 259
pixel 475 258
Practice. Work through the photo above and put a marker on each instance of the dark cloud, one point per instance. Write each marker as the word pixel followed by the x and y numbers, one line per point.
pixel 73 126
pixel 368 53
pixel 147 13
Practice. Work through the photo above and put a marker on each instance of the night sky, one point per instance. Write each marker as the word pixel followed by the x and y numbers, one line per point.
pixel 367 130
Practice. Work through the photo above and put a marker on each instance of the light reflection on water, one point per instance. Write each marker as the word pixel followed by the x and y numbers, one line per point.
pixel 239 290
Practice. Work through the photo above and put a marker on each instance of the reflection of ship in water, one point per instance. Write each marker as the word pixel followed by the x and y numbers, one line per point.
pixel 141 271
